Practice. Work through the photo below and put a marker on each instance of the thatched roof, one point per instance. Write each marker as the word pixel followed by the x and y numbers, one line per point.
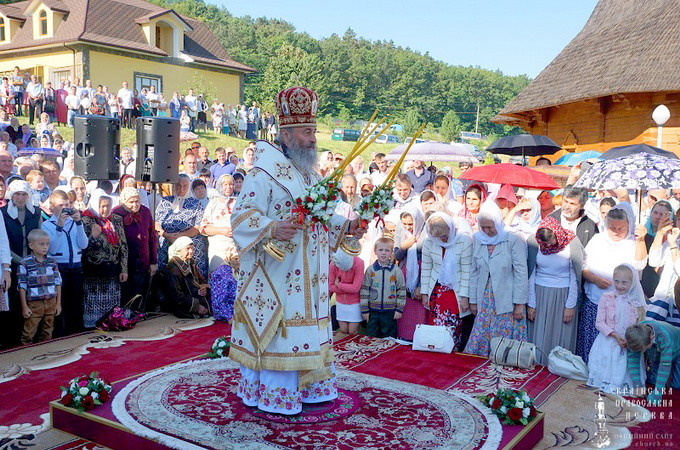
pixel 626 46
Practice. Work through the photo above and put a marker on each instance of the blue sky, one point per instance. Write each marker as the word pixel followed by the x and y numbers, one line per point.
pixel 517 37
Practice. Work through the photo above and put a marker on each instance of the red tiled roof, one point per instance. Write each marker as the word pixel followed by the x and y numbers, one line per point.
pixel 113 23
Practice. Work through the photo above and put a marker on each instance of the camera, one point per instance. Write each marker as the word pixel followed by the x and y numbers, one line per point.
pixel 69 211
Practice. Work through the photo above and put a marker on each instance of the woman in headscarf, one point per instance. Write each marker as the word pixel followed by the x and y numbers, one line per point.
pixel 199 190
pixel 445 276
pixel 186 292
pixel 622 242
pixel 105 263
pixel 498 282
pixel 180 215
pixel 142 243
pixel 660 215
pixel 20 218
pixel 545 198
pixel 555 262
pixel 128 180
pixel 216 222
pixel 408 254
pixel 524 218
pixel 475 195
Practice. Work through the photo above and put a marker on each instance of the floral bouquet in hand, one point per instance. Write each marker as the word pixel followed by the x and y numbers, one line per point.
pixel 84 392
pixel 318 202
pixel 376 205
pixel 219 348
pixel 512 407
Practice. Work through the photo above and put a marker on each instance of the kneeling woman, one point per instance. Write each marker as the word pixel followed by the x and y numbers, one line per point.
pixel 445 277
pixel 186 291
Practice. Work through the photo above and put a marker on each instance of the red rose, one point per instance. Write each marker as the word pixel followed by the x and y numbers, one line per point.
pixel 365 205
pixel 515 414
pixel 88 402
pixel 533 412
pixel 104 395
pixel 497 403
pixel 309 199
pixel 66 399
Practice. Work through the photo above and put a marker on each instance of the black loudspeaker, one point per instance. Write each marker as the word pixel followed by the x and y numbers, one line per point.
pixel 97 147
pixel 157 149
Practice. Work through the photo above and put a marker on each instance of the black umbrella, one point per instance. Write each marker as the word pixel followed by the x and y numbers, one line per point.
pixel 628 150
pixel 524 145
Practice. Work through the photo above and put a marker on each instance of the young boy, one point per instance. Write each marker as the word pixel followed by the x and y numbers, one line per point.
pixel 67 242
pixel 39 289
pixel 37 181
pixel 383 292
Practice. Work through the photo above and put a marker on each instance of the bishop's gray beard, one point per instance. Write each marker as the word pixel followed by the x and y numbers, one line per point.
pixel 305 159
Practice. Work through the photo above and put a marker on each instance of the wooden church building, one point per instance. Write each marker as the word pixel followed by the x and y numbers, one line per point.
pixel 601 90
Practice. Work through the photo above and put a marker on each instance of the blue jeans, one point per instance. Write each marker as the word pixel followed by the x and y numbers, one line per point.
pixel 18 99
pixel 71 114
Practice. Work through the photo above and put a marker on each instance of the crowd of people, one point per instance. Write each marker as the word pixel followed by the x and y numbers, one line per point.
pixel 594 274
pixel 22 94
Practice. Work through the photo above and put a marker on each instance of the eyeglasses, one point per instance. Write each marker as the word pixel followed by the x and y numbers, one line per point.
pixel 339 159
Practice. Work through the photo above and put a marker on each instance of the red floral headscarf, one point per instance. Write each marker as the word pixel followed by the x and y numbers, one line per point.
pixel 563 236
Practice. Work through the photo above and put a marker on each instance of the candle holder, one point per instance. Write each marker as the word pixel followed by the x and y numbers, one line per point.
pixel 351 245
pixel 275 248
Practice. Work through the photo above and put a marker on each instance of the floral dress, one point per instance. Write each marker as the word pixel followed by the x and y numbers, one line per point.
pixel 223 293
pixel 488 324
pixel 189 215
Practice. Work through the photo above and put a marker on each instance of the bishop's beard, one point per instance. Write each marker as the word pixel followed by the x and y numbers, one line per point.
pixel 305 159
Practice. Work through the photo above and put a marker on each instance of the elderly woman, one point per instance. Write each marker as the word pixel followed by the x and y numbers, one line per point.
pixel 216 223
pixel 498 282
pixel 475 195
pixel 180 215
pixel 186 292
pixel 524 218
pixel 20 218
pixel 555 263
pixel 621 243
pixel 445 277
pixel 105 263
pixel 141 240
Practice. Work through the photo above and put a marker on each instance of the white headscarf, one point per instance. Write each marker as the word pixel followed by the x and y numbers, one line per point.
pixel 342 260
pixel 630 215
pixel 412 267
pixel 531 226
pixel 95 198
pixel 447 276
pixel 178 245
pixel 491 211
pixel 178 203
pixel 14 187
pixel 635 295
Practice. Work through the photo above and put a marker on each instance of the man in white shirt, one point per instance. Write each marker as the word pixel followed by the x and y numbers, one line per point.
pixel 17 82
pixel 154 100
pixel 35 99
pixel 87 89
pixel 379 176
pixel 192 105
pixel 125 99
pixel 190 166
pixel 73 104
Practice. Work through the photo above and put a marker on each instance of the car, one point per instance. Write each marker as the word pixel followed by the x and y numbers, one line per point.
pixel 344 134
pixel 481 156
pixel 418 141
pixel 387 139
pixel 517 159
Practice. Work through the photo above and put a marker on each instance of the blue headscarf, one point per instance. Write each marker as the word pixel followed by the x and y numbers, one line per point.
pixel 648 224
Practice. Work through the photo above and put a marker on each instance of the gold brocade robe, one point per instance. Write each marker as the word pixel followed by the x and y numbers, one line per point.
pixel 282 309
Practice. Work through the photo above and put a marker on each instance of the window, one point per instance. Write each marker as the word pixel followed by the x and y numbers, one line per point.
pixel 158 37
pixel 2 29
pixel 43 23
pixel 145 80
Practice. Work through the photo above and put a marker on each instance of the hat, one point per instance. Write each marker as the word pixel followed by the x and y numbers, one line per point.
pixel 296 107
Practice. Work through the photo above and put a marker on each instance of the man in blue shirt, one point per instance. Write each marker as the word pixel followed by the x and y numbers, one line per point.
pixel 221 167
pixel 420 176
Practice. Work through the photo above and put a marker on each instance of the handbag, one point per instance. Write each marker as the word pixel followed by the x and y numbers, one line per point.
pixel 121 318
pixel 564 363
pixel 432 338
pixel 509 352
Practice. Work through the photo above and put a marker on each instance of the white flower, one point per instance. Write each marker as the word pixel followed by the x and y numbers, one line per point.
pixel 83 391
pixel 77 398
pixel 314 195
pixel 17 430
pixel 63 393
pixel 503 409
pixel 95 395
pixel 525 397
pixel 519 405
pixel 222 344
pixel 525 412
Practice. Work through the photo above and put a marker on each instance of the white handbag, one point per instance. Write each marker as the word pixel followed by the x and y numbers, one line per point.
pixel 432 338
pixel 564 363
pixel 509 352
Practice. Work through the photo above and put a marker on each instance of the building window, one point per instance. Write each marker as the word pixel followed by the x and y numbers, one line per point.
pixel 145 80
pixel 2 29
pixel 43 23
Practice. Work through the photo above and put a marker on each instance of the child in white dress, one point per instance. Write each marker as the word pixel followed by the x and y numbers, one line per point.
pixel 616 311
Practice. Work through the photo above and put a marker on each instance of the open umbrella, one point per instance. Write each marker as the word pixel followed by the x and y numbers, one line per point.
pixel 513 174
pixel 571 159
pixel 433 151
pixel 45 151
pixel 628 150
pixel 524 145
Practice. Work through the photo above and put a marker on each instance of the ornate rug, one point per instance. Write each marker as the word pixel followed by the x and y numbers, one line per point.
pixel 194 405
pixel 343 406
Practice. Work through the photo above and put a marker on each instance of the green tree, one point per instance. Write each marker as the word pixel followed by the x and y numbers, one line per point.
pixel 200 86
pixel 450 128
pixel 411 122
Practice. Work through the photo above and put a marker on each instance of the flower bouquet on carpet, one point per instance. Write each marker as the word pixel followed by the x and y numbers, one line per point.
pixel 85 392
pixel 512 407
pixel 317 204
pixel 220 348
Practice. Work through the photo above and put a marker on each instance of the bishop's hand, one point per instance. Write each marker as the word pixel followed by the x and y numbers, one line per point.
pixel 356 229
pixel 285 230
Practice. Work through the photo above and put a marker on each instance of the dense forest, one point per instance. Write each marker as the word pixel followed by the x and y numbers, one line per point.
pixel 353 76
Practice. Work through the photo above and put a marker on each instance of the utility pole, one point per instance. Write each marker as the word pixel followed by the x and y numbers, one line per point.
pixel 477 120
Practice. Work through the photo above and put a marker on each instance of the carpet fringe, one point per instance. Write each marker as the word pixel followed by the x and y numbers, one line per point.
pixel 493 441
